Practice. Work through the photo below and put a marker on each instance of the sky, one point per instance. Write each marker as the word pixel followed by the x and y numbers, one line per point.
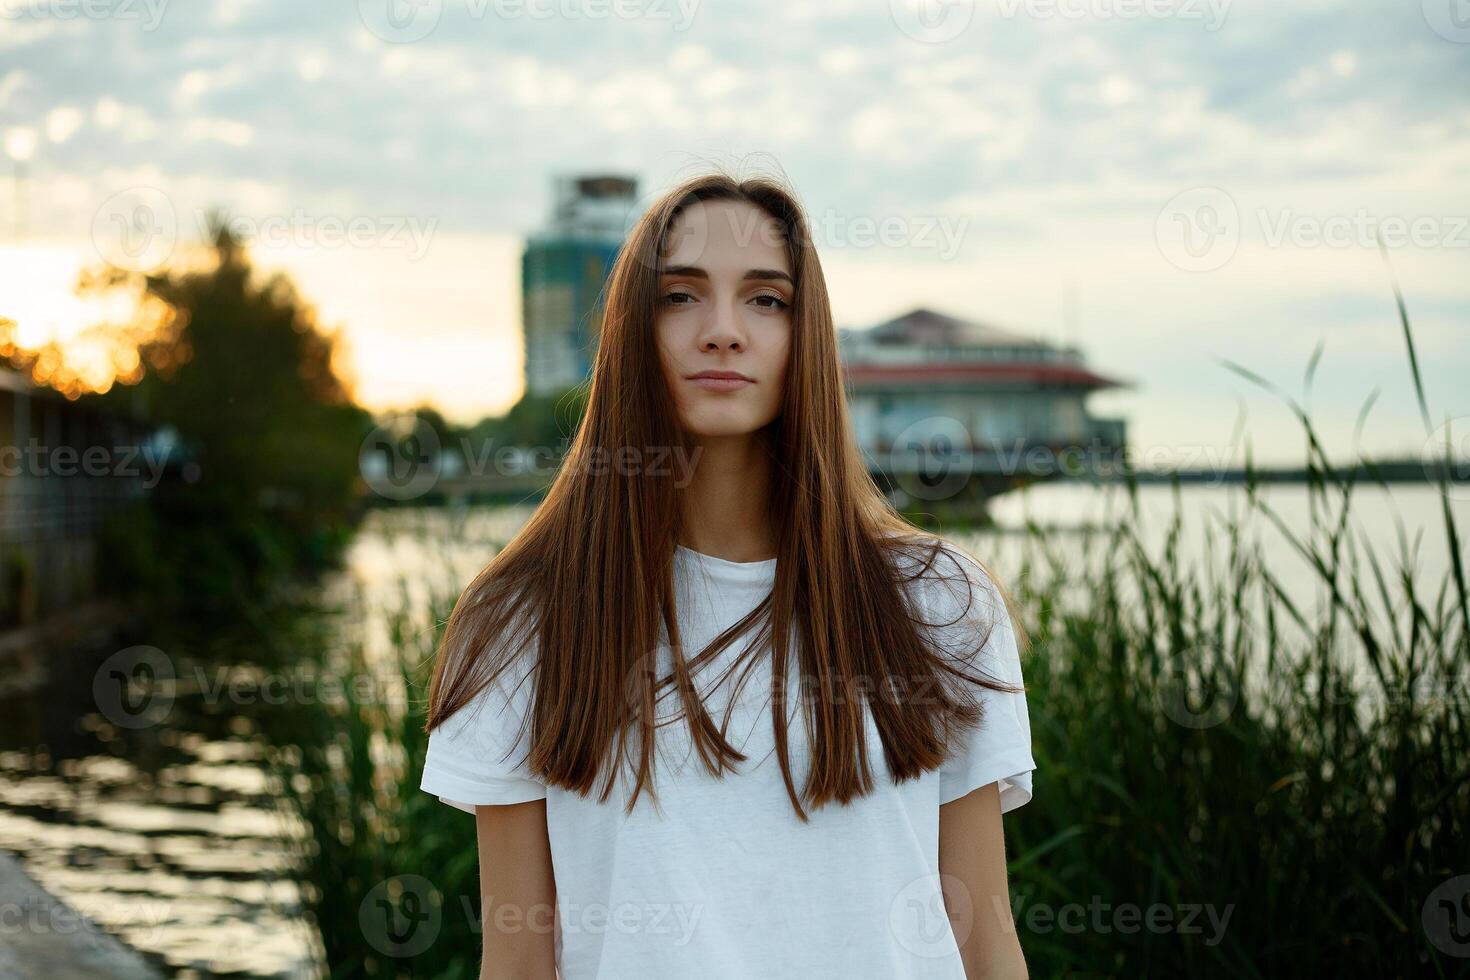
pixel 1204 178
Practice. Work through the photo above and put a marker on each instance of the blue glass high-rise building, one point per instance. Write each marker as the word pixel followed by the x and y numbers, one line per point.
pixel 563 271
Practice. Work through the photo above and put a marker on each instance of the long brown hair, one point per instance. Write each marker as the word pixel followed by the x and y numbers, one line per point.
pixel 587 584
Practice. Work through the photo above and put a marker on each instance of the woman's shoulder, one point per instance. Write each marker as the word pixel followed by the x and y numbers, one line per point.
pixel 960 606
pixel 492 648
pixel 941 575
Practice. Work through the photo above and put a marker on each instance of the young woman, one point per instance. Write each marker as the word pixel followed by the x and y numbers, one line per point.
pixel 718 710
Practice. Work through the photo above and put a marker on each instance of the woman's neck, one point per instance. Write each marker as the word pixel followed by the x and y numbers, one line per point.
pixel 725 503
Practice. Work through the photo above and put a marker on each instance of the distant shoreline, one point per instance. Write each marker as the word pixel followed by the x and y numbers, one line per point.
pixel 1397 471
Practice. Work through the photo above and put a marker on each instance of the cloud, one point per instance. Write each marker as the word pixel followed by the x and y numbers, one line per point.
pixel 1052 141
pixel 63 122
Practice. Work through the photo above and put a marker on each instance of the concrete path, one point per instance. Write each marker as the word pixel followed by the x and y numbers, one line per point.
pixel 42 938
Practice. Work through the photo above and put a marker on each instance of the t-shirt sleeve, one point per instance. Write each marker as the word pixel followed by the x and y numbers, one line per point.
pixel 998 750
pixel 475 756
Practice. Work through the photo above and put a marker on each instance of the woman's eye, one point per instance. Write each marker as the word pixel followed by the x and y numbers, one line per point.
pixel 669 297
pixel 779 303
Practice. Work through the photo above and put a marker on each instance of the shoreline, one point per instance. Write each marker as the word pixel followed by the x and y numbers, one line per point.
pixel 43 938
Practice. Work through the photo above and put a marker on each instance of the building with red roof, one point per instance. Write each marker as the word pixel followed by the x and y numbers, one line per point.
pixel 928 389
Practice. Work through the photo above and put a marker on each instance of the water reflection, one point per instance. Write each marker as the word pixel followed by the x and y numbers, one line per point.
pixel 168 836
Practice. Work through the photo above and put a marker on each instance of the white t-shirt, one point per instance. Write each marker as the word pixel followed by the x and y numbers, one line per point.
pixel 726 881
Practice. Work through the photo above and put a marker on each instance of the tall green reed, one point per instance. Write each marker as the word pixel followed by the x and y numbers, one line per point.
pixel 389 874
pixel 1208 741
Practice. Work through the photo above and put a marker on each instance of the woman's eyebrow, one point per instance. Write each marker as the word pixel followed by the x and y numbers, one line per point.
pixel 695 272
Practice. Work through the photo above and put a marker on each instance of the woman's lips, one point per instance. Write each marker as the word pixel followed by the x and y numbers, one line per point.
pixel 722 384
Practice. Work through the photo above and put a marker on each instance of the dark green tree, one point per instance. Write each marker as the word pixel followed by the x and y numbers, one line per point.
pixel 536 421
pixel 267 479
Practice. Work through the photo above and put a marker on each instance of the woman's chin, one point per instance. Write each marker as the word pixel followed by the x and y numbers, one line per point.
pixel 723 425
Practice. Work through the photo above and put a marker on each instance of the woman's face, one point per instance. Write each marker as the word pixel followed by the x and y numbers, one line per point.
pixel 724 318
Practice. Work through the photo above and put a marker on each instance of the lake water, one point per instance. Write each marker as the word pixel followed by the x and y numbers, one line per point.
pixel 170 836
